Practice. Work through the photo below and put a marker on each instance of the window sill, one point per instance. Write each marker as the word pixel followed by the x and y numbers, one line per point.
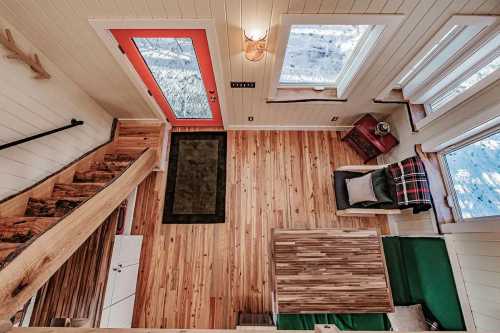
pixel 290 95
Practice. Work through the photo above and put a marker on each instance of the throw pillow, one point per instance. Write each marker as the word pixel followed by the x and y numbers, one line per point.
pixel 360 189
pixel 408 318
pixel 380 187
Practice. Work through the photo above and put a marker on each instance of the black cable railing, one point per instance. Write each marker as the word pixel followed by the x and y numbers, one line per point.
pixel 74 123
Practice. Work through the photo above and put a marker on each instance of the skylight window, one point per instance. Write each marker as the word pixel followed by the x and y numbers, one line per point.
pixel 457 62
pixel 465 85
pixel 428 54
pixel 330 52
pixel 318 54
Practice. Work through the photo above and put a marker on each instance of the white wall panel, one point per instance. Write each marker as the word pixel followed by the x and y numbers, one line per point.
pixel 476 261
pixel 29 106
pixel 61 30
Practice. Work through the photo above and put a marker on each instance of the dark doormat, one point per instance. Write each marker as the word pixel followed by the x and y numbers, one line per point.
pixel 196 180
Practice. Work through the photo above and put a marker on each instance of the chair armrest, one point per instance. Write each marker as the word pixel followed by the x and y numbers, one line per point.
pixel 361 168
pixel 367 212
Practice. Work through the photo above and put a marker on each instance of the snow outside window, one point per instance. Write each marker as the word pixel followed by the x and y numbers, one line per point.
pixel 465 84
pixel 174 66
pixel 474 177
pixel 320 54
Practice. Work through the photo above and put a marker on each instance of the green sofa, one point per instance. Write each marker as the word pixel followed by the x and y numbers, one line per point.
pixel 419 272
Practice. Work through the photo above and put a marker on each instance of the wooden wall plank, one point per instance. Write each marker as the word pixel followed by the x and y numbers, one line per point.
pixel 361 6
pixel 328 6
pixel 77 289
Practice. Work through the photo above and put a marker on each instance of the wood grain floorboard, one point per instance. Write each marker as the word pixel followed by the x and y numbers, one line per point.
pixel 201 276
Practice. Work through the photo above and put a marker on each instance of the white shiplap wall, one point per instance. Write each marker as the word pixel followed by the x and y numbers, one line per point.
pixel 476 262
pixel 61 30
pixel 29 106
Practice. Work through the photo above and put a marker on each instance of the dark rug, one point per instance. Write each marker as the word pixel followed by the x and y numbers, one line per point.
pixel 196 180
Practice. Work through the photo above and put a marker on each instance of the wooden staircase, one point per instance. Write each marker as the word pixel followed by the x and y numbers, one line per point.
pixel 42 213
pixel 41 227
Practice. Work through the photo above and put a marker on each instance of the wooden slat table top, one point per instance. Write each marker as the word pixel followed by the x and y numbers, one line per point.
pixel 330 271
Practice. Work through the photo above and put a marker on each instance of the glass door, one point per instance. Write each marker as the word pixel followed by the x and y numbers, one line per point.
pixel 176 67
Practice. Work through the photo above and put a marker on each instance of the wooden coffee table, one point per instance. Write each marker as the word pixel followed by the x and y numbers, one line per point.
pixel 330 271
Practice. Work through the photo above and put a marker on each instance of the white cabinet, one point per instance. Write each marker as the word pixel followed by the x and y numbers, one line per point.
pixel 119 299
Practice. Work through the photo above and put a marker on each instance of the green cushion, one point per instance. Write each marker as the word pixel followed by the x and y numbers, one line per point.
pixel 421 273
pixel 380 187
pixel 350 322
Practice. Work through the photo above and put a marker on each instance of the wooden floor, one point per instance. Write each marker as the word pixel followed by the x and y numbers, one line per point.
pixel 201 276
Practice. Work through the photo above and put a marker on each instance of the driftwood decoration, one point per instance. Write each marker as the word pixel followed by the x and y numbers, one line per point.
pixel 33 61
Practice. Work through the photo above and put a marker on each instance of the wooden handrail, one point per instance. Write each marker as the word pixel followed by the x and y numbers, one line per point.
pixel 22 277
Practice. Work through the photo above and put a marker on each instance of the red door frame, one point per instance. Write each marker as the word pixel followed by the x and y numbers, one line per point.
pixel 200 44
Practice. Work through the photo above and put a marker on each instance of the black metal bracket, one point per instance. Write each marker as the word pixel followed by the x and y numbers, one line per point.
pixel 74 123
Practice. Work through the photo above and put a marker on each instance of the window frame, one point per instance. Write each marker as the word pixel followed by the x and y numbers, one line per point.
pixel 384 26
pixel 430 88
pixel 482 21
pixel 451 195
pixel 343 72
pixel 466 94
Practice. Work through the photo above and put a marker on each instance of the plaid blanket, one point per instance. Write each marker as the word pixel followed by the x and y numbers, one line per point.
pixel 412 186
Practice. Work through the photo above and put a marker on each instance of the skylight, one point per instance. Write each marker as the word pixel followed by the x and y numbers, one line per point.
pixel 318 54
pixel 466 84
pixel 427 55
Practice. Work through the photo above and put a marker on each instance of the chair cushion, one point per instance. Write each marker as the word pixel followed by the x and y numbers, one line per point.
pixel 360 189
pixel 380 184
pixel 340 187
pixel 342 198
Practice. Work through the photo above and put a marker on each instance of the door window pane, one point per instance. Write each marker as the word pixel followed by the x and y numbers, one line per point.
pixel 475 174
pixel 174 66
pixel 317 54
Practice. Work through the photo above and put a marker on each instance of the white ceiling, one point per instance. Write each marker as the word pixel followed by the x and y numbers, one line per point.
pixel 60 29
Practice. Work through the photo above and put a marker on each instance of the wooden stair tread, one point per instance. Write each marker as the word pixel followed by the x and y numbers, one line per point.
pixel 51 207
pixel 110 166
pixel 94 176
pixel 120 157
pixel 22 228
pixel 6 250
pixel 76 190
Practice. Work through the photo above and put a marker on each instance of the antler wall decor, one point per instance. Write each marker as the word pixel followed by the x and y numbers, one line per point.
pixel 34 62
